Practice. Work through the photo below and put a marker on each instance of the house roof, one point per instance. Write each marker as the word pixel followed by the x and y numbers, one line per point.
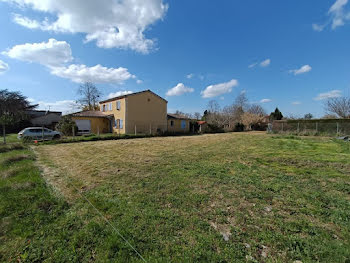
pixel 37 113
pixel 131 94
pixel 177 116
pixel 90 113
pixel 201 122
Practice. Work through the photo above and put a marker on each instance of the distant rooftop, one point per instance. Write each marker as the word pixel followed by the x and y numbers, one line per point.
pixel 177 116
pixel 90 113
pixel 131 94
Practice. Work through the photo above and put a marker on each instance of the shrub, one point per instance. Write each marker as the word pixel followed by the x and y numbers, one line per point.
pixel 239 127
pixel 66 125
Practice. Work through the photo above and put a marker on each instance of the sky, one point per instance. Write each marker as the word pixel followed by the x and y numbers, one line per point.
pixel 291 54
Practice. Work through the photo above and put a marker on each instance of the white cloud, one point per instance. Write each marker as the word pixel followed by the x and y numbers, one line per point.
pixel 119 93
pixel 302 70
pixel 26 22
pixel 112 24
pixel 66 106
pixel 265 100
pixel 317 27
pixel 329 95
pixel 51 53
pixel 253 65
pixel 96 74
pixel 55 54
pixel 139 81
pixel 338 16
pixel 296 103
pixel 179 90
pixel 189 76
pixel 219 89
pixel 265 63
pixel 3 67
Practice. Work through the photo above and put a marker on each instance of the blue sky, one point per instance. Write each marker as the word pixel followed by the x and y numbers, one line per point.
pixel 290 54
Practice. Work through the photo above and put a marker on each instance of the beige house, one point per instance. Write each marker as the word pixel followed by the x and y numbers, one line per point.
pixel 137 113
pixel 178 123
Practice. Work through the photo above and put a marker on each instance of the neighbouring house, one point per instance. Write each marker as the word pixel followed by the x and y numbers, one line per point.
pixel 93 122
pixel 48 119
pixel 178 123
pixel 141 112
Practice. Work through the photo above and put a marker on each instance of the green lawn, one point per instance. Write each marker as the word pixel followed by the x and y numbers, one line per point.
pixel 235 197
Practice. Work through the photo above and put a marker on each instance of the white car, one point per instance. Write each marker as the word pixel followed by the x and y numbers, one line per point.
pixel 36 133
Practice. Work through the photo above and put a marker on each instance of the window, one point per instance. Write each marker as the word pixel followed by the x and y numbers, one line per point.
pixel 183 124
pixel 104 107
pixel 171 123
pixel 121 124
pixel 118 105
pixel 110 106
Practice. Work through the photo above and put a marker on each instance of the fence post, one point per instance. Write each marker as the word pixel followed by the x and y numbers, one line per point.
pixel 73 131
pixel 298 127
pixel 316 127
pixel 282 126
pixel 135 130
pixel 337 128
pixel 98 130
pixel 150 129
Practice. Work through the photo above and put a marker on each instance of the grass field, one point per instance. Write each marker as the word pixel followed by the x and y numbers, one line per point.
pixel 234 197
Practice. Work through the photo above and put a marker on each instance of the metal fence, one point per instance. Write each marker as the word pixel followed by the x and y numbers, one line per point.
pixel 311 127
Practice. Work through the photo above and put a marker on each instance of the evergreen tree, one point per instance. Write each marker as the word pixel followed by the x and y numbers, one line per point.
pixel 276 115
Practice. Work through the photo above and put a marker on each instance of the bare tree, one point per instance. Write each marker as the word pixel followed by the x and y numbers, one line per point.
pixel 241 102
pixel 213 106
pixel 197 115
pixel 214 115
pixel 250 119
pixel 257 109
pixel 339 106
pixel 89 96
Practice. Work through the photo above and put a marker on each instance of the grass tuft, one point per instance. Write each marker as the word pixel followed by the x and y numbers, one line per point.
pixel 17 158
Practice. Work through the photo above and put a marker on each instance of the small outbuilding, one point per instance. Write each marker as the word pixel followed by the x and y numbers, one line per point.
pixel 178 123
pixel 92 122
pixel 202 126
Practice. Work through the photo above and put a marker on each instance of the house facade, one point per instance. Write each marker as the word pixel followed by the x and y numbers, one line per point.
pixel 178 123
pixel 137 113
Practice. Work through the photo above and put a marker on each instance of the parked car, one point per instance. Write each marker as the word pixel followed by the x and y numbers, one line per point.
pixel 36 133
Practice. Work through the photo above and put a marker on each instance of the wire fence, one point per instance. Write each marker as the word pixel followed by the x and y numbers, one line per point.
pixel 311 127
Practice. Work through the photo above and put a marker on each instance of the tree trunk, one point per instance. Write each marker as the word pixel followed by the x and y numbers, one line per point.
pixel 4 133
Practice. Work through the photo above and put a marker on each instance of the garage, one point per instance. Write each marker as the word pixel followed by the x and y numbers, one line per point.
pixel 84 126
pixel 92 122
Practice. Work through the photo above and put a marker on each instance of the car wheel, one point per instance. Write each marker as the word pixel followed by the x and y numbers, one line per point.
pixel 27 139
pixel 56 137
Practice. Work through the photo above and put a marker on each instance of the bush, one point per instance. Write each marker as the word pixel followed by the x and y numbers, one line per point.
pixel 239 127
pixel 66 125
pixel 212 128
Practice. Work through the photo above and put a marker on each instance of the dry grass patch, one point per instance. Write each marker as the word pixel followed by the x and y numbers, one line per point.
pixel 204 198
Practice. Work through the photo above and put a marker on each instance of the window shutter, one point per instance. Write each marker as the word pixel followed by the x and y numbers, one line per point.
pixel 118 105
pixel 121 124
